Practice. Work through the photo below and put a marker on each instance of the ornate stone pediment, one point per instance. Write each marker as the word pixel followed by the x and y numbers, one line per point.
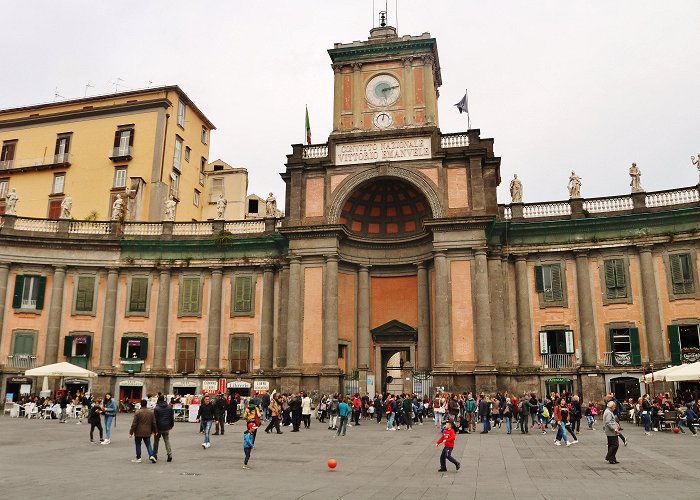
pixel 394 331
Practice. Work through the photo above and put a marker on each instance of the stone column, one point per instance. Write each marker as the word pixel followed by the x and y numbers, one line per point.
pixel 526 355
pixel 294 315
pixel 337 95
pixel 53 329
pixel 650 299
pixel 330 314
pixel 160 342
pixel 428 89
pixel 424 360
pixel 280 342
pixel 109 319
pixel 484 340
pixel 408 92
pixel 585 309
pixel 443 336
pixel 214 326
pixel 4 273
pixel 357 96
pixel 364 341
pixel 497 311
pixel 267 320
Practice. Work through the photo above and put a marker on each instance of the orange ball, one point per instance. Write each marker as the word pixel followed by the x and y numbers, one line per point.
pixel 332 463
pixel 676 430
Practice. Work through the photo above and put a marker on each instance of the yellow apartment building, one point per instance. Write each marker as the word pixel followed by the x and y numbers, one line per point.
pixel 142 145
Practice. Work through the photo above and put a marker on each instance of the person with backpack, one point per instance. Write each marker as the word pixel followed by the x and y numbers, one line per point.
pixel 543 416
pixel 165 421
pixel 95 420
pixel 508 415
pixel 333 409
pixel 275 412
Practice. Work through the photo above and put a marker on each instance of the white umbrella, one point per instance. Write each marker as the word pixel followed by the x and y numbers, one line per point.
pixel 682 373
pixel 60 370
pixel 660 375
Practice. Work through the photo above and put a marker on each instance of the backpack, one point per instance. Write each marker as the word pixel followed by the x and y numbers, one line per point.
pixel 334 406
pixel 545 412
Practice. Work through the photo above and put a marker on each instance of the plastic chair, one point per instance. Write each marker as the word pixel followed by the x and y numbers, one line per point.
pixel 8 407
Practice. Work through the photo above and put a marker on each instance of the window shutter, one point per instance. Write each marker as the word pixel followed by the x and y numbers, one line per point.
pixel 131 137
pixel 41 291
pixel 634 347
pixel 676 273
pixel 58 145
pixel 674 344
pixel 569 336
pixel 68 346
pixel 539 279
pixel 543 343
pixel 67 149
pixel 557 292
pixel 88 346
pixel 117 138
pixel 243 294
pixel 609 276
pixel 620 281
pixel 17 297
pixel 144 348
pixel 122 348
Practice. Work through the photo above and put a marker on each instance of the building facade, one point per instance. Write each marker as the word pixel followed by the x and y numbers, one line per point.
pixel 394 268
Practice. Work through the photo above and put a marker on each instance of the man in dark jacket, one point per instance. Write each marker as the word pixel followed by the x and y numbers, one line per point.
pixel 206 416
pixel 295 407
pixel 143 425
pixel 219 414
pixel 485 413
pixel 165 420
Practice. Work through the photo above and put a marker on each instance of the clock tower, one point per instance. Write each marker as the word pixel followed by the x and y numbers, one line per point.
pixel 385 82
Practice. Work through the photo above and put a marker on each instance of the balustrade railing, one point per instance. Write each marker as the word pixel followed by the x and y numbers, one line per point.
pixel 36 225
pixel 89 227
pixel 143 229
pixel 552 209
pixel 245 226
pixel 614 204
pixel 454 140
pixel 21 361
pixel 315 151
pixel 193 228
pixel 680 196
pixel 553 361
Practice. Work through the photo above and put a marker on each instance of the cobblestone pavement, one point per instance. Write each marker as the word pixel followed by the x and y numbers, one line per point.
pixel 57 461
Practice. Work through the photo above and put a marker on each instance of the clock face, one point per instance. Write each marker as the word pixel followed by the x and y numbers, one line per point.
pixel 383 120
pixel 383 90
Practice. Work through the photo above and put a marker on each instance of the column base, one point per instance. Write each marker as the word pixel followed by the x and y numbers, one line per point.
pixel 290 380
pixel 329 384
pixel 485 382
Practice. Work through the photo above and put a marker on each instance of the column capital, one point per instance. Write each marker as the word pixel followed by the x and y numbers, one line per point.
pixel 580 253
pixel 520 257
pixel 421 265
pixel 337 68
pixel 645 248
pixel 439 253
pixel 494 255
pixel 357 66
pixel 364 268
pixel 407 61
pixel 4 265
pixel 164 270
pixel 331 258
pixel 294 259
pixel 480 251
pixel 217 270
pixel 59 269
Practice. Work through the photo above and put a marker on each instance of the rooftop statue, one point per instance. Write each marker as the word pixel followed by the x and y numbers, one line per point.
pixel 636 182
pixel 11 202
pixel 66 206
pixel 574 185
pixel 516 190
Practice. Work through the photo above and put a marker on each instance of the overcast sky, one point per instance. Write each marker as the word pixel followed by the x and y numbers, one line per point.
pixel 590 85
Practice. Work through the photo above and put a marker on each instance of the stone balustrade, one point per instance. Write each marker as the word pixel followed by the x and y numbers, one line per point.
pixel 315 151
pixel 458 140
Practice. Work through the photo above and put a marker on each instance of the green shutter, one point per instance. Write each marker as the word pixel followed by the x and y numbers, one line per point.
pixel 144 348
pixel 634 347
pixel 243 294
pixel 620 273
pixel 682 281
pixel 610 277
pixel 122 348
pixel 189 295
pixel 539 279
pixel 41 292
pixel 557 290
pixel 19 286
pixel 674 343
pixel 88 346
pixel 137 298
pixel 24 343
pixel 68 346
pixel 85 294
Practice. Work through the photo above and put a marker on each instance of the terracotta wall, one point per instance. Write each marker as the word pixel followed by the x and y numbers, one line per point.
pixel 394 298
pixel 312 345
pixel 462 316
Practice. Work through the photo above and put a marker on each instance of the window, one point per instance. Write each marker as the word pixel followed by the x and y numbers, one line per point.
pixel 85 294
pixel 243 294
pixel 174 184
pixel 252 206
pixel 190 291
pixel 240 354
pixel 138 295
pixel 202 164
pixel 24 343
pixel 8 153
pixel 123 141
pixel 624 347
pixel 684 343
pixel 177 156
pixel 556 342
pixel 681 273
pixel 58 183
pixel 120 178
pixel 342 351
pixel 4 185
pixel 62 148
pixel 181 114
pixel 205 135
pixel 188 150
pixel 186 354
pixel 78 349
pixel 217 185
pixel 134 348
pixel 615 280
pixel 195 199
pixel 29 292
pixel 548 282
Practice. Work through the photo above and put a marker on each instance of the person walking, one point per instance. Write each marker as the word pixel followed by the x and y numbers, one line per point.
pixel 333 406
pixel 142 427
pixel 95 420
pixel 248 443
pixel 559 416
pixel 275 411
pixel 344 412
pixel 206 416
pixel 448 437
pixel 356 409
pixel 576 414
pixel 612 430
pixel 306 409
pixel 219 414
pixel 63 404
pixel 485 413
pixel 110 413
pixel 251 415
pixel 295 408
pixel 165 421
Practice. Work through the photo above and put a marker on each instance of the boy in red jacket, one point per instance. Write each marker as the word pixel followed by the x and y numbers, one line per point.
pixel 448 437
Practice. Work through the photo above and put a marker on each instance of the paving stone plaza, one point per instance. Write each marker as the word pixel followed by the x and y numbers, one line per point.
pixel 54 460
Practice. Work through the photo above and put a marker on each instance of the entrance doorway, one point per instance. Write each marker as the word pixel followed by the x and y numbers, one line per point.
pixel 130 393
pixel 559 385
pixel 75 385
pixel 184 390
pixel 394 353
pixel 393 361
pixel 625 388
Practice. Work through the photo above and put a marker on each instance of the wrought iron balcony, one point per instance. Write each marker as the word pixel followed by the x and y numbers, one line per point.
pixel 21 361
pixel 121 153
pixel 554 361
pixel 51 161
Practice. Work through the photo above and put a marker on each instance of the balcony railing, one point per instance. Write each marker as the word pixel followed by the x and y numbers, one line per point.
pixel 63 159
pixel 121 153
pixel 21 361
pixel 553 361
pixel 458 140
pixel 315 151
pixel 617 359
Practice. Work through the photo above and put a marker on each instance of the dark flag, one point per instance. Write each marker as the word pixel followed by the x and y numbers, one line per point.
pixel 463 105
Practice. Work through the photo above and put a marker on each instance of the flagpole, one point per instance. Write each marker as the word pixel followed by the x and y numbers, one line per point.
pixel 469 119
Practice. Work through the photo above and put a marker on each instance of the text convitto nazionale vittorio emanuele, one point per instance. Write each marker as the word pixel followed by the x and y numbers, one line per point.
pixel 400 149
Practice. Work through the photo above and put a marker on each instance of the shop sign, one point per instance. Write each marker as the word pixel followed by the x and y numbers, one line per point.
pixel 557 380
pixel 238 384
pixel 19 380
pixel 82 339
pixel 261 385
pixel 210 386
pixel 185 383
pixel 81 381
pixel 222 385
pixel 131 383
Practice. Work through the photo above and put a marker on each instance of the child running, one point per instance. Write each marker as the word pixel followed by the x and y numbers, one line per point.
pixel 248 442
pixel 448 437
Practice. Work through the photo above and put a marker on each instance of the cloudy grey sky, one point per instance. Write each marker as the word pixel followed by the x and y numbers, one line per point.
pixel 588 85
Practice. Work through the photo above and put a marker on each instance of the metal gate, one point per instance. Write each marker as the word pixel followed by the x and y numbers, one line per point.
pixel 351 383
pixel 422 384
